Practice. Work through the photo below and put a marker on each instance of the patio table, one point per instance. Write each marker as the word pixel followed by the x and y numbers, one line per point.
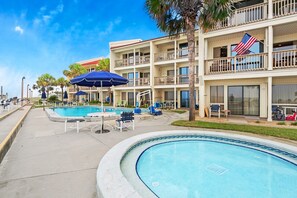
pixel 102 115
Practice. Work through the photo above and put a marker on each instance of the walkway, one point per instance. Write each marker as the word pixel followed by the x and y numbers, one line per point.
pixel 46 162
pixel 8 123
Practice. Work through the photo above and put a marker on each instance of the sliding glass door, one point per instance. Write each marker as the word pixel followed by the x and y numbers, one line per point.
pixel 244 100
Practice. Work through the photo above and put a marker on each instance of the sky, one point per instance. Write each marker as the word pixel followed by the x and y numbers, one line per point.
pixel 46 36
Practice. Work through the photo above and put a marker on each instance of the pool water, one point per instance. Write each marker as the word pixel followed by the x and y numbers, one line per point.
pixel 214 169
pixel 85 110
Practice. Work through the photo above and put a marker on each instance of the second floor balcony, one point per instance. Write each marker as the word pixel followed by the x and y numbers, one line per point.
pixel 170 80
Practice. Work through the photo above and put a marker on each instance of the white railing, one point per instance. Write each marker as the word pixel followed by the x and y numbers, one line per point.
pixel 124 62
pixel 142 81
pixel 184 53
pixel 284 7
pixel 243 63
pixel 245 15
pixel 164 56
pixel 285 59
pixel 142 60
pixel 166 80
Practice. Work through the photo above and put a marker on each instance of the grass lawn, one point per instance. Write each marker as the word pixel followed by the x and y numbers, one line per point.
pixel 261 130
pixel 177 111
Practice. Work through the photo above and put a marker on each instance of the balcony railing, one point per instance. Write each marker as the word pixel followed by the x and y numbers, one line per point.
pixel 285 59
pixel 142 60
pixel 124 62
pixel 243 63
pixel 184 79
pixel 166 80
pixel 184 53
pixel 142 81
pixel 284 7
pixel 164 56
pixel 245 15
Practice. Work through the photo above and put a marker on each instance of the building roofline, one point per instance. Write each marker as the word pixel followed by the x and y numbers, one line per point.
pixel 90 60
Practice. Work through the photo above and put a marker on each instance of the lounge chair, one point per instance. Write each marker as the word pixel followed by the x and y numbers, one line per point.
pixel 215 108
pixel 119 103
pixel 126 120
pixel 124 103
pixel 155 112
pixel 292 117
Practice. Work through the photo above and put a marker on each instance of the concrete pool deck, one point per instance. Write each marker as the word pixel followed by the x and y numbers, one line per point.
pixel 44 161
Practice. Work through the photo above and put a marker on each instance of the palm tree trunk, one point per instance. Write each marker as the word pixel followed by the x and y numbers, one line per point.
pixel 190 32
pixel 62 94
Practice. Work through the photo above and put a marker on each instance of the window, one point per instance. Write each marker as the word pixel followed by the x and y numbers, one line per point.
pixel 124 96
pixel 219 52
pixel 216 94
pixel 169 95
pixel 183 47
pixel 284 94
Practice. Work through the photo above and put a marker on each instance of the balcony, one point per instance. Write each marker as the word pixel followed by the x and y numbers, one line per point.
pixel 184 79
pixel 139 60
pixel 166 80
pixel 180 53
pixel 285 59
pixel 142 81
pixel 243 63
pixel 284 7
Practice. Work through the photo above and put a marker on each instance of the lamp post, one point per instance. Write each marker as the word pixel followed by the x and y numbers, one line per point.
pixel 28 93
pixel 22 94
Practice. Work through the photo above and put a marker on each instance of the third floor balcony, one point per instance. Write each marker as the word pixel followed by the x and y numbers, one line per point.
pixel 131 61
pixel 172 55
pixel 171 80
pixel 258 12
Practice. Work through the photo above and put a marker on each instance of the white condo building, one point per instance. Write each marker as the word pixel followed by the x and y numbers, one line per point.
pixel 247 85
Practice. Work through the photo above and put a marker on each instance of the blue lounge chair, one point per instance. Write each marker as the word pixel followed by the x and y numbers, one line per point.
pixel 153 111
pixel 126 120
pixel 215 108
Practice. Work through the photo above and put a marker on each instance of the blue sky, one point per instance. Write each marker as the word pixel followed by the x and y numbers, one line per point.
pixel 47 36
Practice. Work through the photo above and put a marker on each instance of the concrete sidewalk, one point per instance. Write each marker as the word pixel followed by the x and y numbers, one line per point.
pixel 8 123
pixel 46 162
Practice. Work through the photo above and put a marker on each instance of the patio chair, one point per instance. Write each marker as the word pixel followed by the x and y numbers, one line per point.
pixel 119 103
pixel 155 112
pixel 73 124
pixel 292 117
pixel 215 108
pixel 124 102
pixel 126 120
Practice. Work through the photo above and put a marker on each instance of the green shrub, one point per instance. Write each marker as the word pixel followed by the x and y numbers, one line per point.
pixel 294 123
pixel 258 121
pixel 53 98
pixel 281 123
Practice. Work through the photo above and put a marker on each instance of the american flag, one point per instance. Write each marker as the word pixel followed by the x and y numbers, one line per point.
pixel 245 44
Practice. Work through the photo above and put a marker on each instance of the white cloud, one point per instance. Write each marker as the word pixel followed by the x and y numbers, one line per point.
pixel 45 15
pixel 109 28
pixel 19 29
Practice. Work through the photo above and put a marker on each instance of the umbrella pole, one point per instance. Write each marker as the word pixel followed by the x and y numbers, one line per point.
pixel 101 98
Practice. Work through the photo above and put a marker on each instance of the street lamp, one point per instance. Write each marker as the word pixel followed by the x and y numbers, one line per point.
pixel 22 94
pixel 27 93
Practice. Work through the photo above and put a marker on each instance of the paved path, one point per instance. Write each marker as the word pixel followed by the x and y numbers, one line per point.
pixel 8 123
pixel 46 162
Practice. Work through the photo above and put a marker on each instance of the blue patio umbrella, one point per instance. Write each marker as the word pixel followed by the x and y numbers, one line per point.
pixel 43 95
pixel 65 95
pixel 80 93
pixel 99 79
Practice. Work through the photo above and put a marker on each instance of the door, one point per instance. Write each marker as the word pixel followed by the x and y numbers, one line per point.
pixel 131 98
pixel 244 100
pixel 184 99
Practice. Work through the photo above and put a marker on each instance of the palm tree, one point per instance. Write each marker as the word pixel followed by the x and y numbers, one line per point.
pixel 62 82
pixel 75 70
pixel 45 83
pixel 103 65
pixel 184 16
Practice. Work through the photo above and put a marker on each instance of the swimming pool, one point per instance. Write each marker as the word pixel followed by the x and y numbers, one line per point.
pixel 190 168
pixel 85 110
pixel 187 163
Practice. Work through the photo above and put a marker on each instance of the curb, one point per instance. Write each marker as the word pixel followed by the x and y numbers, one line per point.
pixel 7 142
pixel 9 113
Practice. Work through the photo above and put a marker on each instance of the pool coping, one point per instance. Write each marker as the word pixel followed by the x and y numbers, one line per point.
pixel 111 182
pixel 55 117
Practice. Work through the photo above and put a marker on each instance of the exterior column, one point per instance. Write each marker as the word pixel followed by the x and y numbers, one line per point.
pixel 226 97
pixel 269 100
pixel 201 74
pixel 270 9
pixel 174 92
pixel 270 47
